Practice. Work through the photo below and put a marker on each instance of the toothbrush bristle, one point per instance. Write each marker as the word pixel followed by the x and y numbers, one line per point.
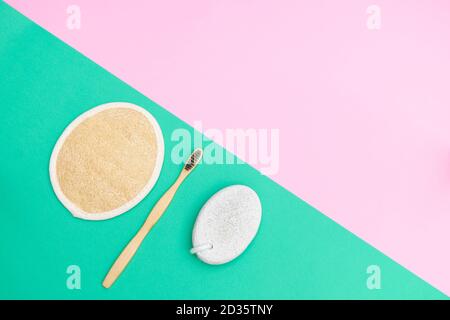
pixel 193 159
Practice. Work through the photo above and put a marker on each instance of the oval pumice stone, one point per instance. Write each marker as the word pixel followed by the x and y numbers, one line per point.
pixel 226 224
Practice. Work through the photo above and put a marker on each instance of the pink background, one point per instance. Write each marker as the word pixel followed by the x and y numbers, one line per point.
pixel 364 116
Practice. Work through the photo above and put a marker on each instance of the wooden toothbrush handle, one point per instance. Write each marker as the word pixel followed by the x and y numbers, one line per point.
pixel 123 259
pixel 129 251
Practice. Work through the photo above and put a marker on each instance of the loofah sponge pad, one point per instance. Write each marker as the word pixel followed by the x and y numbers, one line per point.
pixel 226 224
pixel 107 160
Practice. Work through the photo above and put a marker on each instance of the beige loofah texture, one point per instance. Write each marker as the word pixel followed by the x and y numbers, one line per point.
pixel 106 161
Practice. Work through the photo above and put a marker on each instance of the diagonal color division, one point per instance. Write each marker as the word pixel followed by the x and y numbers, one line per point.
pixel 298 252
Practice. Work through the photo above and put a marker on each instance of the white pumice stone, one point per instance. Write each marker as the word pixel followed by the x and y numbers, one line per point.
pixel 226 224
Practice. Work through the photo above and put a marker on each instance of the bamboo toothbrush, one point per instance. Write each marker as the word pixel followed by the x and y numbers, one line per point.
pixel 156 213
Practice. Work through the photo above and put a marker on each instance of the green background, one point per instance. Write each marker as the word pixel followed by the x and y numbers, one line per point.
pixel 298 252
